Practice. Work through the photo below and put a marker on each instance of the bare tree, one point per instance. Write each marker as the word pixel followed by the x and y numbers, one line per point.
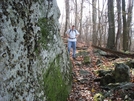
pixel 119 25
pixel 99 26
pixel 105 28
pixel 76 15
pixel 111 30
pixel 101 22
pixel 67 15
pixel 129 19
pixel 94 34
pixel 81 15
pixel 125 34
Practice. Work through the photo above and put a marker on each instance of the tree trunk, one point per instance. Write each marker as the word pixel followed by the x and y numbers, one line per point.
pixel 125 34
pixel 129 20
pixel 76 15
pixel 87 40
pixel 98 31
pixel 67 15
pixel 94 34
pixel 111 30
pixel 81 19
pixel 105 30
pixel 119 24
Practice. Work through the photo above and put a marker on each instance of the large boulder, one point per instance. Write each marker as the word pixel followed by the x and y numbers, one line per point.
pixel 121 73
pixel 32 55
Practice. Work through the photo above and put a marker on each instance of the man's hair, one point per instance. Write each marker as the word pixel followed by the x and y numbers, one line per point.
pixel 73 26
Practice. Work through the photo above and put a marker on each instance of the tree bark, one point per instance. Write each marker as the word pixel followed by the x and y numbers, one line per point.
pixel 111 30
pixel 67 15
pixel 76 15
pixel 117 53
pixel 119 25
pixel 94 34
pixel 125 34
pixel 129 20
pixel 81 19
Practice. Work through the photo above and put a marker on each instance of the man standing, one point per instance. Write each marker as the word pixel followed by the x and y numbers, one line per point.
pixel 72 35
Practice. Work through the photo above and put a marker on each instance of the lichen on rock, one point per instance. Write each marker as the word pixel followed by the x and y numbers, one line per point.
pixel 29 43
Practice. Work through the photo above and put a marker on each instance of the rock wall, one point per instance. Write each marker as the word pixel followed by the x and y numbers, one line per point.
pixel 32 54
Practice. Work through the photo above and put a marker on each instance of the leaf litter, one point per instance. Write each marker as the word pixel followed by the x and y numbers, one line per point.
pixel 83 86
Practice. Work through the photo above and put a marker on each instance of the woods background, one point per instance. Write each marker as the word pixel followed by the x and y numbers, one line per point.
pixel 104 23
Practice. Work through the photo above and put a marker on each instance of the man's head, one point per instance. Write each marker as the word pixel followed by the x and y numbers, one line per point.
pixel 73 27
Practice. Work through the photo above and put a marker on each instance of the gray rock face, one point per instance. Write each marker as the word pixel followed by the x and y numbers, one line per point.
pixel 27 49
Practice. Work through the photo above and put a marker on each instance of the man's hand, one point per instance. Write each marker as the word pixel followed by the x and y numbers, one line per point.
pixel 76 36
pixel 68 35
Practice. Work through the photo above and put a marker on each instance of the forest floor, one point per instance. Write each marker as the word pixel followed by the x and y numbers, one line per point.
pixel 83 86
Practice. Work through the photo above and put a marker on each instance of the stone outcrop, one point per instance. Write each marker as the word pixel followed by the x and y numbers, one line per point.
pixel 32 55
pixel 120 74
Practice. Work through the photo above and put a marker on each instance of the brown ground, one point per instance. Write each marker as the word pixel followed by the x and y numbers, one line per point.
pixel 83 87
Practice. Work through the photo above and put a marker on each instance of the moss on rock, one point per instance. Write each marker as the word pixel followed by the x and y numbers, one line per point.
pixel 55 85
pixel 98 97
pixel 86 60
pixel 47 31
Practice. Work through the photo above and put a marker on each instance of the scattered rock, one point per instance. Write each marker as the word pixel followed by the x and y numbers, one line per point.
pixel 84 72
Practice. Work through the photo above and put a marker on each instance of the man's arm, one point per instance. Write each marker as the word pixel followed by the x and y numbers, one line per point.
pixel 67 34
pixel 77 34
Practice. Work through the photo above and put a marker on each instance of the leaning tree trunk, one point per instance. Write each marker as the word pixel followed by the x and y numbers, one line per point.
pixel 125 34
pixel 119 25
pixel 94 34
pixel 67 15
pixel 111 30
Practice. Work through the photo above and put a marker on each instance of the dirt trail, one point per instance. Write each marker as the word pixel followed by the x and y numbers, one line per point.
pixel 83 86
